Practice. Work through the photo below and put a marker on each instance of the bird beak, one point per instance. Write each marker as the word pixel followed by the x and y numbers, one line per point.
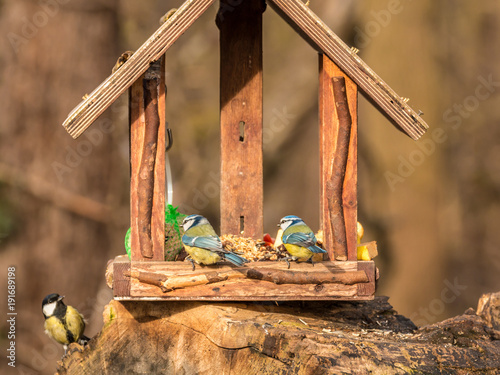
pixel 60 298
pixel 279 224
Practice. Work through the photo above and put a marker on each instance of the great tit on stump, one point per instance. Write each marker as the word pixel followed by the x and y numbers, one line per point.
pixel 63 323
pixel 298 239
pixel 204 245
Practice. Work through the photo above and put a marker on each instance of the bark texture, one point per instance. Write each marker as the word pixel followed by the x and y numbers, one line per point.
pixel 293 338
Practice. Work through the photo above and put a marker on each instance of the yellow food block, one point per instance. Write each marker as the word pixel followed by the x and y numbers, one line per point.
pixel 367 250
pixel 360 231
pixel 319 237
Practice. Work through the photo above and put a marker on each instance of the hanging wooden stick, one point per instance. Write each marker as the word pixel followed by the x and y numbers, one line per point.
pixel 335 185
pixel 147 166
pixel 276 276
pixel 147 159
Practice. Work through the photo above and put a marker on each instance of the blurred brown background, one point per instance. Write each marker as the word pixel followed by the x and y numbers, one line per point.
pixel 432 205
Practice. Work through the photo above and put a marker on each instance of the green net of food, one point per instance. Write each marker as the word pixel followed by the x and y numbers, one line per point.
pixel 127 243
pixel 173 233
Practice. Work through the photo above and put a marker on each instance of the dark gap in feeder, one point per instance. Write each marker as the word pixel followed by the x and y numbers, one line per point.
pixel 242 131
pixel 242 224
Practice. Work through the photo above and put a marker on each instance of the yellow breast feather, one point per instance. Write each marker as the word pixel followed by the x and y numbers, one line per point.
pixel 298 251
pixel 202 256
pixel 56 330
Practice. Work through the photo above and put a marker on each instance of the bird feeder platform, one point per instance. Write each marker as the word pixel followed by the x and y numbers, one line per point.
pixel 256 281
pixel 147 276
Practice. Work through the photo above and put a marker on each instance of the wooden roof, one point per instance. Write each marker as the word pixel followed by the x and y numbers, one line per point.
pixel 299 17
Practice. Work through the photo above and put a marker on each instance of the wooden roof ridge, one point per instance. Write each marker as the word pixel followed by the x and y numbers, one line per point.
pixel 324 40
pixel 302 19
pixel 151 50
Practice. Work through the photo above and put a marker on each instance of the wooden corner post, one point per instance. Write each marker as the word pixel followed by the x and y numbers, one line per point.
pixel 338 101
pixel 240 26
pixel 147 159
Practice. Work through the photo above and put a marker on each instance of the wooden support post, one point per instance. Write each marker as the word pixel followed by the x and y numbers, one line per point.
pixel 342 247
pixel 241 117
pixel 147 157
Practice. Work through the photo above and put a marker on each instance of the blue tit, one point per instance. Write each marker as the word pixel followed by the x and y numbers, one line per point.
pixel 63 323
pixel 204 245
pixel 298 239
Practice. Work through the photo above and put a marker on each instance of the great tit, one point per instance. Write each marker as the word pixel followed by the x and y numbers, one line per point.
pixel 63 323
pixel 204 245
pixel 298 239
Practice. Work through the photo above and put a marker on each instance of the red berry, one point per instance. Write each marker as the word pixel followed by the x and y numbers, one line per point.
pixel 268 239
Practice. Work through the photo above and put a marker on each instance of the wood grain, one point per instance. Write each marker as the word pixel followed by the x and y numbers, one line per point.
pixel 158 216
pixel 247 290
pixel 244 289
pixel 241 118
pixel 303 20
pixel 121 283
pixel 329 129
pixel 272 275
pixel 367 289
pixel 145 186
pixel 157 44
pixel 147 156
pixel 350 187
pixel 335 184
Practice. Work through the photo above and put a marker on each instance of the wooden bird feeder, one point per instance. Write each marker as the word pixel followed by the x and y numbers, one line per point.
pixel 341 74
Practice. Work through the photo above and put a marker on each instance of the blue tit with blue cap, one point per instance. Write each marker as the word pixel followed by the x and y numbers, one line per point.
pixel 298 239
pixel 204 245
pixel 63 323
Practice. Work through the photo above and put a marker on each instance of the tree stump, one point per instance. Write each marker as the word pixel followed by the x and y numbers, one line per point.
pixel 289 338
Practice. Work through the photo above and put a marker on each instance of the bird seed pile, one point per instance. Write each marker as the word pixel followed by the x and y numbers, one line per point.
pixel 250 249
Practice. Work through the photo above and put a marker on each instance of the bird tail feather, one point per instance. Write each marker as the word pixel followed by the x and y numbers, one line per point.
pixel 316 249
pixel 235 259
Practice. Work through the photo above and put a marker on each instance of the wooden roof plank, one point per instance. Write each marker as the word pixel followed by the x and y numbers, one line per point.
pixel 107 92
pixel 324 40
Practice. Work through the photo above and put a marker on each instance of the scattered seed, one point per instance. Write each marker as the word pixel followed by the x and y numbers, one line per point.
pixel 250 249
